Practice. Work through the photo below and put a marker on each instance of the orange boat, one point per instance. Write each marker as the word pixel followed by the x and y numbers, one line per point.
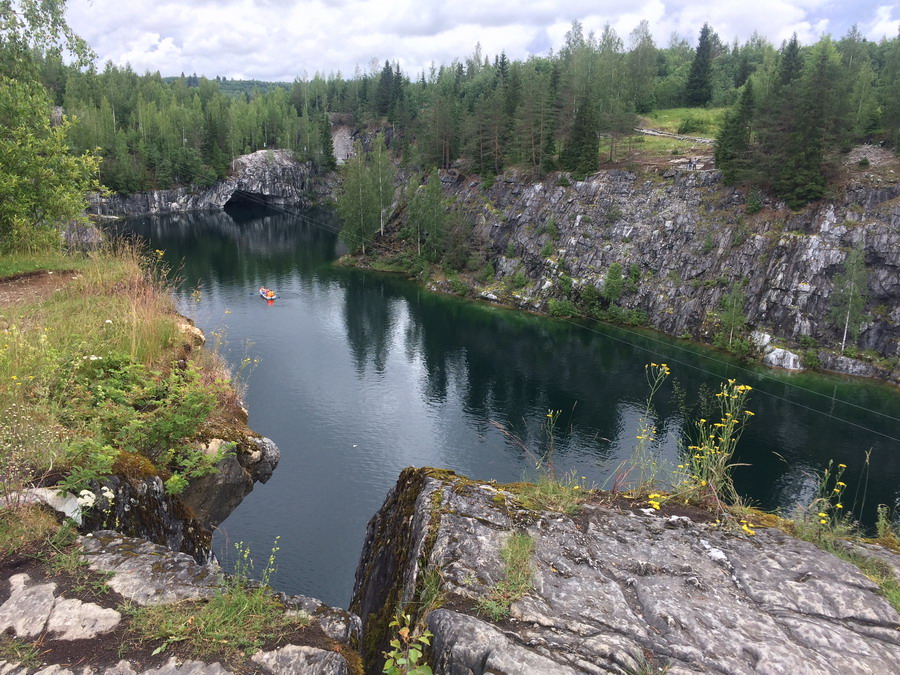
pixel 267 293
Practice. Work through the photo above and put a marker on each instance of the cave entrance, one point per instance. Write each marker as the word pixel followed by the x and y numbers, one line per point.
pixel 241 199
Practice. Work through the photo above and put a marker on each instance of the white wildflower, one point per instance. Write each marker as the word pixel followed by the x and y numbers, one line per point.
pixel 86 499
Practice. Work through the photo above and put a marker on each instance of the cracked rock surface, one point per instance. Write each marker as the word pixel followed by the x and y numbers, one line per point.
pixel 617 591
pixel 145 573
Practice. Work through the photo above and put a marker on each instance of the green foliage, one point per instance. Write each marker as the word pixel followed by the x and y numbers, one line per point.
pixel 516 556
pixel 365 195
pixel 565 285
pixel 613 284
pixel 704 472
pixel 708 244
pixel 754 202
pixel 518 280
pixel 698 91
pixel 642 469
pixel 552 229
pixel 23 654
pixel 547 249
pixel 562 308
pixel 825 517
pixel 407 649
pixel 487 273
pixel 510 249
pixel 41 185
pixel 848 300
pixel 237 620
pixel 428 217
pixel 563 494
pixel 733 321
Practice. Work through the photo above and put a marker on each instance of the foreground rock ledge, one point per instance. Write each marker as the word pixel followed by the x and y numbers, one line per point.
pixel 614 591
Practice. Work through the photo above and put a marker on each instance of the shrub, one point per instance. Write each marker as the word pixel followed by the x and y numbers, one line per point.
pixel 562 308
pixel 754 201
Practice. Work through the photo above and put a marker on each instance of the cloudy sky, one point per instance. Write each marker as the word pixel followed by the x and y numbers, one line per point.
pixel 283 39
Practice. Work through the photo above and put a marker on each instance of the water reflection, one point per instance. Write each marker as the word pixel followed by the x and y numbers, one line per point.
pixel 363 374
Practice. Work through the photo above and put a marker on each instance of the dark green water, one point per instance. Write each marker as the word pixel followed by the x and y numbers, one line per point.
pixel 361 375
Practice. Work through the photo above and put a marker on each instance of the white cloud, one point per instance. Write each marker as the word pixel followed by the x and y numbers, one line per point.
pixel 275 39
pixel 884 24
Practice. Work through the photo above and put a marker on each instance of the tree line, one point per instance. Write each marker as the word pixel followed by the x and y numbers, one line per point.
pixel 805 105
pixel 792 106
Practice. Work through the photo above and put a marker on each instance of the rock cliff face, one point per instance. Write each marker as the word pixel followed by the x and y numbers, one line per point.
pixel 691 239
pixel 613 590
pixel 267 176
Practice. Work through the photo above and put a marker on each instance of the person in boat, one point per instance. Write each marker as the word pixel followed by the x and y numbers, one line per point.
pixel 268 293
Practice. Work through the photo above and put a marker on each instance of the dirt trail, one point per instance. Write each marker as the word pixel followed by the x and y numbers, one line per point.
pixel 32 287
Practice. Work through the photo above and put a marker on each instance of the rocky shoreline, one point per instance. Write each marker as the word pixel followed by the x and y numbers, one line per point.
pixel 615 587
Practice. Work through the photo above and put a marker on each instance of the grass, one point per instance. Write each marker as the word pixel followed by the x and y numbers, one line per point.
pixel 516 556
pixel 24 527
pixel 13 265
pixel 707 120
pixel 87 372
pixel 19 652
pixel 237 621
pixel 548 493
pixel 652 145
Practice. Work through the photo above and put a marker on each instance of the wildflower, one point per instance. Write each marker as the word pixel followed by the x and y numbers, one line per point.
pixel 654 504
pixel 838 506
pixel 703 483
pixel 86 499
pixel 108 321
pixel 841 484
pixel 842 466
pixel 823 515
pixel 823 521
pixel 576 487
pixel 747 529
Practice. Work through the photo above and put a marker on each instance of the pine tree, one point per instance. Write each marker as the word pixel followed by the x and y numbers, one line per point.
pixel 698 91
pixel 581 154
pixel 733 150
pixel 327 161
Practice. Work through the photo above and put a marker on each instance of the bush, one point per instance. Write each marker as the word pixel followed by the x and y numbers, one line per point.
pixel 562 308
pixel 754 201
pixel 486 275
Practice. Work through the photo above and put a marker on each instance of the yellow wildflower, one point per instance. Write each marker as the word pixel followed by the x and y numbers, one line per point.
pixel 842 466
pixel 838 506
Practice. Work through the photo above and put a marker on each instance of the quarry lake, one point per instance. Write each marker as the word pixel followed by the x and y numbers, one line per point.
pixel 361 374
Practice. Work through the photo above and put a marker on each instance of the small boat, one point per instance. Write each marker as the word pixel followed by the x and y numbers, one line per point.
pixel 267 293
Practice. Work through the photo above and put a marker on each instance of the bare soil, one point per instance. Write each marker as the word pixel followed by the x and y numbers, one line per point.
pixel 32 286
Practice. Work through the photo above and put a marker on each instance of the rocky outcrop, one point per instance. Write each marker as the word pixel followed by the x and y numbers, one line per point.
pixel 617 590
pixel 214 496
pixel 270 177
pixel 143 574
pixel 685 239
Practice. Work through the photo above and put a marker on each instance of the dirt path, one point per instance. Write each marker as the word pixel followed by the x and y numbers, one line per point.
pixel 32 287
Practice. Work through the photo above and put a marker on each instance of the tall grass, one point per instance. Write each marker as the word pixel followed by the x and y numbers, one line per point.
pixel 92 366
